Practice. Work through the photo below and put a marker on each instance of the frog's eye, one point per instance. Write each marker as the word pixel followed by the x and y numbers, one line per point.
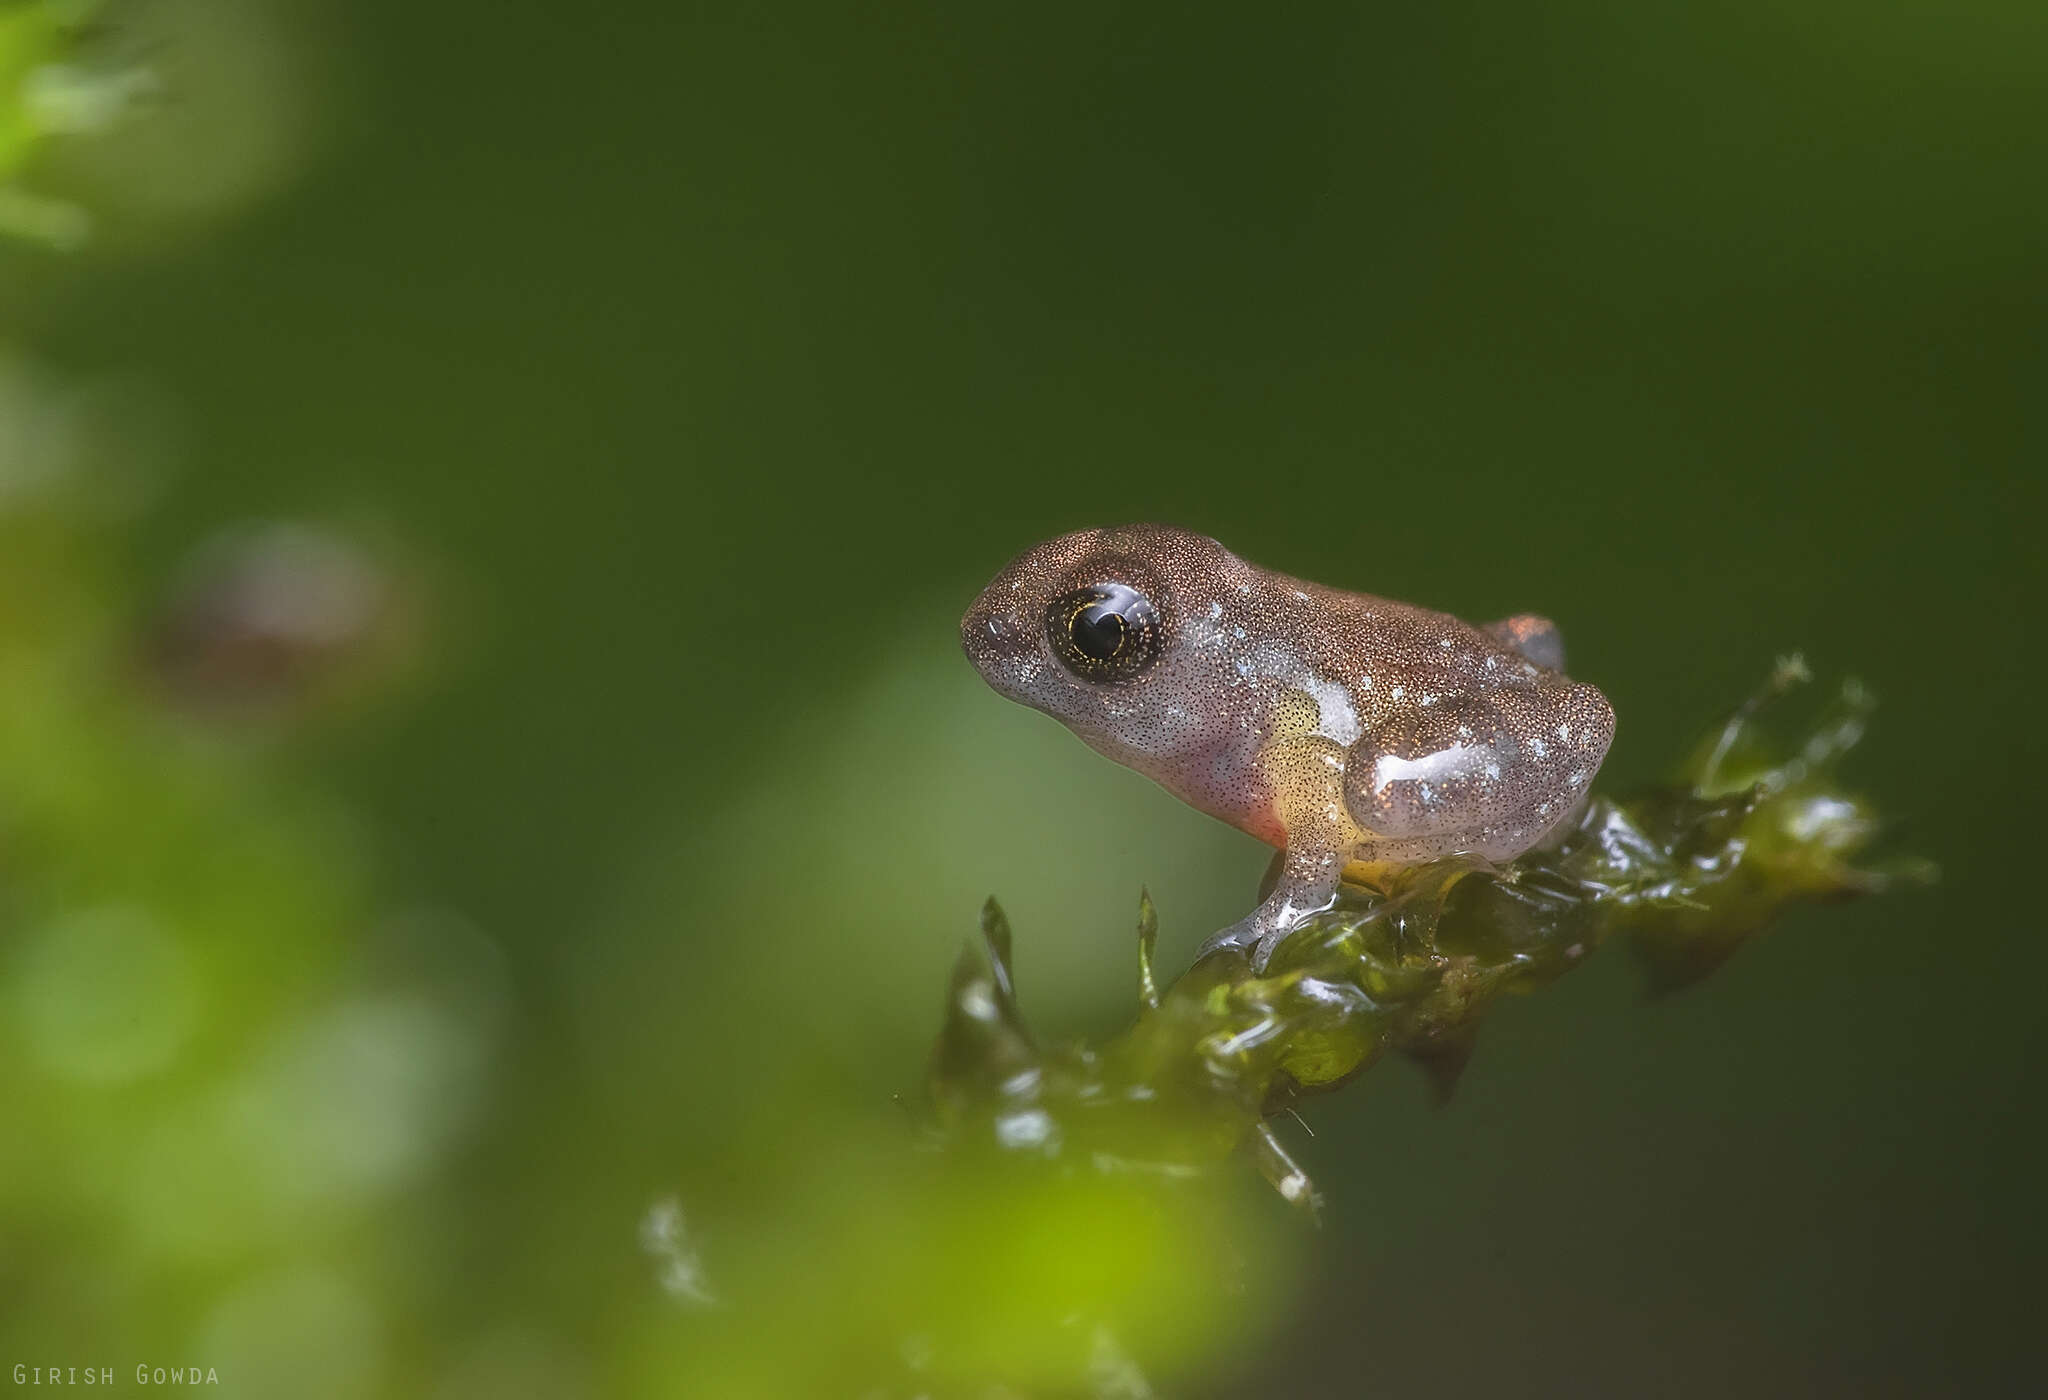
pixel 1106 632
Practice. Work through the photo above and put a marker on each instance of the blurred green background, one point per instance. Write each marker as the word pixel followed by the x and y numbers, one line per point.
pixel 708 358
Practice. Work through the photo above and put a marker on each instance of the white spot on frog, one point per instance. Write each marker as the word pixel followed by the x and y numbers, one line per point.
pixel 1443 765
pixel 1337 716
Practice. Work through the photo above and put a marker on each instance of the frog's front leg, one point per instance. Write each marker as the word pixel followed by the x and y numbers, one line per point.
pixel 1307 885
pixel 1304 770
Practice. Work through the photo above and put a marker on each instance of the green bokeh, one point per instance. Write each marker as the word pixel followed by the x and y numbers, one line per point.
pixel 718 354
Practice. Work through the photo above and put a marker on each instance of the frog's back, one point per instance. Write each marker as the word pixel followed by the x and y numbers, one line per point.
pixel 1394 654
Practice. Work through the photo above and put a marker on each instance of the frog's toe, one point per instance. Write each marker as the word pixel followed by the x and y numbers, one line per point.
pixel 1262 951
pixel 1307 887
pixel 1244 936
pixel 1253 936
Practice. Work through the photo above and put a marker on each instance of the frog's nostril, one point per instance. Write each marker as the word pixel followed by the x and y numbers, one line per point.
pixel 995 635
pixel 998 629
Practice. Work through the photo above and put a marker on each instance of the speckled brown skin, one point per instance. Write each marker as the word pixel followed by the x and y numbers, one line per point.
pixel 1350 731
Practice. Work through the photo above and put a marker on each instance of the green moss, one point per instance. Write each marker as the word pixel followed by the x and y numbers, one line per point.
pixel 1685 874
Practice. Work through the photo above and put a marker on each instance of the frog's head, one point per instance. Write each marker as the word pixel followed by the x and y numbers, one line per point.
pixel 1096 629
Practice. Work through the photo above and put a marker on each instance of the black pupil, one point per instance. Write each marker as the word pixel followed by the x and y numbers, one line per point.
pixel 1099 630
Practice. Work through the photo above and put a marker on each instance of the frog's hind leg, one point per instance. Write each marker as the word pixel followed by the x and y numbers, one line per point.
pixel 1430 781
pixel 1531 637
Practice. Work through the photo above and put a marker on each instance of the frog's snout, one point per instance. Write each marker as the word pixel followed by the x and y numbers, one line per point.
pixel 994 634
pixel 998 642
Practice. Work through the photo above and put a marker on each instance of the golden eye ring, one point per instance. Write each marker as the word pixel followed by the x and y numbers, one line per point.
pixel 1105 632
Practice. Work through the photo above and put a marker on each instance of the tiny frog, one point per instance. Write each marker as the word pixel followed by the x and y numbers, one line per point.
pixel 1356 734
